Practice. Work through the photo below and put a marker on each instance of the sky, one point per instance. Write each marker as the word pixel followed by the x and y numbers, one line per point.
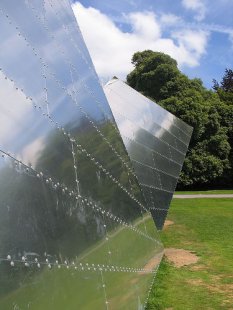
pixel 197 33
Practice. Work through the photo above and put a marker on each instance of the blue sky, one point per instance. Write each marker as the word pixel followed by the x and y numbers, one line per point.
pixel 197 33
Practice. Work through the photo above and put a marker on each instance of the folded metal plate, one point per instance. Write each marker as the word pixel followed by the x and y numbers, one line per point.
pixel 156 142
pixel 74 229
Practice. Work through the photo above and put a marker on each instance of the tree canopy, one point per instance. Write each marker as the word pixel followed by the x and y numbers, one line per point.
pixel 210 112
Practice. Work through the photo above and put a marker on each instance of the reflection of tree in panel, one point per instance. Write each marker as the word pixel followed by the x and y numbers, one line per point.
pixel 36 219
pixel 93 181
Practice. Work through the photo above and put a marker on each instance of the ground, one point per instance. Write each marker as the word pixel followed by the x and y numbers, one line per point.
pixel 202 278
pixel 180 257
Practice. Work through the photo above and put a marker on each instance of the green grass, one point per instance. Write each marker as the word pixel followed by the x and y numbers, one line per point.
pixel 223 191
pixel 205 227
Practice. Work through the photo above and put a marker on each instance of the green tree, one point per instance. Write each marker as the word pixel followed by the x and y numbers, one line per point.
pixel 227 82
pixel 157 76
pixel 224 91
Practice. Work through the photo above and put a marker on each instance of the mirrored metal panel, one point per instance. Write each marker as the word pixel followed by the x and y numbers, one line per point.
pixel 156 142
pixel 74 226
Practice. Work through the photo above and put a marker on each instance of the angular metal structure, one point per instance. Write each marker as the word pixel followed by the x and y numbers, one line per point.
pixel 75 232
pixel 156 142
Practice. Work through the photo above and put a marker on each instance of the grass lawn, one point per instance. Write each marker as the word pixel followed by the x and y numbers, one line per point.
pixel 204 226
pixel 222 191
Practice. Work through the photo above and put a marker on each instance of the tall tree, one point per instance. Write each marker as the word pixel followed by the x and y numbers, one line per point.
pixel 227 82
pixel 157 76
pixel 224 91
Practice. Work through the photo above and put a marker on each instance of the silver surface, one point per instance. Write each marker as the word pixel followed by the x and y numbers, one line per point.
pixel 156 142
pixel 74 227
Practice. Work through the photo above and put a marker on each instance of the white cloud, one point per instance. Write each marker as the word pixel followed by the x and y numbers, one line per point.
pixel 112 49
pixel 145 24
pixel 198 6
pixel 169 19
pixel 193 41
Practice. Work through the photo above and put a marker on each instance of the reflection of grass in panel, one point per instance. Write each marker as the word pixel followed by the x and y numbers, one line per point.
pixel 127 291
pixel 58 289
pixel 205 227
pixel 127 248
pixel 70 289
pixel 150 227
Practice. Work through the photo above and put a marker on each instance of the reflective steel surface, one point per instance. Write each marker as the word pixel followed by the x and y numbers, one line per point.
pixel 156 142
pixel 75 232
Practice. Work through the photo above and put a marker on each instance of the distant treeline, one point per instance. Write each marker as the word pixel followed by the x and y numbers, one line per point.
pixel 209 161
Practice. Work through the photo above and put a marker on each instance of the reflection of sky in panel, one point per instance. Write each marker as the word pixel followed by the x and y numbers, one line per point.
pixel 149 116
pixel 73 55
pixel 171 122
pixel 41 40
pixel 86 100
pixel 25 133
pixel 133 131
pixel 56 51
pixel 142 116
pixel 38 37
pixel 57 99
pixel 13 48
pixel 14 70
pixel 20 125
pixel 122 90
pixel 158 132
pixel 74 31
pixel 146 145
pixel 63 21
pixel 158 113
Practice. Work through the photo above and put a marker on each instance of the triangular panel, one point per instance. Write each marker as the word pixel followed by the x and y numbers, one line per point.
pixel 156 142
pixel 73 221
